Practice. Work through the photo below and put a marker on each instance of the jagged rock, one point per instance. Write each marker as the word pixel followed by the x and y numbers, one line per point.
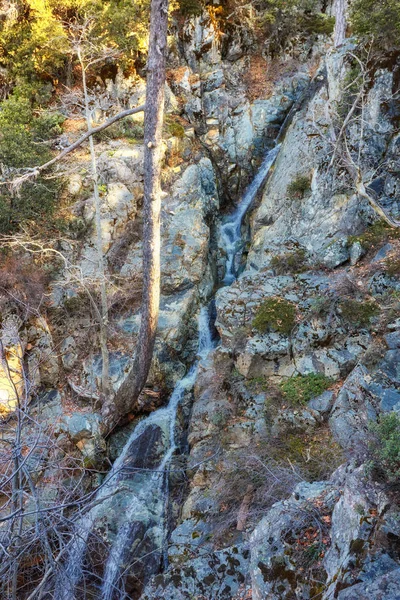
pixel 273 562
pixel 68 353
pixel 336 254
pixel 356 253
pixel 322 403
pixel 357 516
pixel 219 575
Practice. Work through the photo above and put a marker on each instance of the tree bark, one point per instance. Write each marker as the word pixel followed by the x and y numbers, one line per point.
pixel 128 394
pixel 341 22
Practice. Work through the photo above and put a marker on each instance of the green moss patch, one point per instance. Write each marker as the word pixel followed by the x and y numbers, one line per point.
pixel 299 187
pixel 358 313
pixel 377 234
pixel 291 262
pixel 276 314
pixel 298 390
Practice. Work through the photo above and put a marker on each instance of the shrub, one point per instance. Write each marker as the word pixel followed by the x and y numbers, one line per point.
pixel 385 448
pixel 378 19
pixel 298 390
pixel 299 187
pixel 276 314
pixel 291 262
pixel 22 282
pixel 358 313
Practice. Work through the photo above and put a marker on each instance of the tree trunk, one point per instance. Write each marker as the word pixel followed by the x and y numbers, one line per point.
pixel 129 391
pixel 341 22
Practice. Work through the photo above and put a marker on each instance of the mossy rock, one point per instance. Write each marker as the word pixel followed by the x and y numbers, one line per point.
pixel 376 234
pixel 276 314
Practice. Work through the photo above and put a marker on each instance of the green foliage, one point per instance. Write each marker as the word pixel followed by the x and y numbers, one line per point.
pixel 291 262
pixel 298 390
pixel 385 448
pixel 378 19
pixel 358 313
pixel 35 42
pixel 299 187
pixel 276 314
pixel 283 20
pixel 176 129
pixel 21 134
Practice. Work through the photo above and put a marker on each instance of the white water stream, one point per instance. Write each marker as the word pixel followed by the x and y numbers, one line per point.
pixel 231 227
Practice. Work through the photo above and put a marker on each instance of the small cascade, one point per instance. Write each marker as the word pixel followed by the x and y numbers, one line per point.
pixel 141 473
pixel 231 227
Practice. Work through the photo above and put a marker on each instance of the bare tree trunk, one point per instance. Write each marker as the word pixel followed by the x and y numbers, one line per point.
pixel 341 22
pixel 105 373
pixel 128 393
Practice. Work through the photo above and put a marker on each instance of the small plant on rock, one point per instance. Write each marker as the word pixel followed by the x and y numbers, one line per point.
pixel 291 262
pixel 375 235
pixel 276 314
pixel 299 187
pixel 298 390
pixel 392 267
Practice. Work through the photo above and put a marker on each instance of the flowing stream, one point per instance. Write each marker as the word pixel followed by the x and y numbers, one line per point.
pixel 133 500
pixel 231 236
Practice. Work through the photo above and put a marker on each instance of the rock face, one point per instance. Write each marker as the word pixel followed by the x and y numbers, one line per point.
pixel 270 492
pixel 313 253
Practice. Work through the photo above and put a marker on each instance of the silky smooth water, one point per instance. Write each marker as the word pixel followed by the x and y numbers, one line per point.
pixel 231 235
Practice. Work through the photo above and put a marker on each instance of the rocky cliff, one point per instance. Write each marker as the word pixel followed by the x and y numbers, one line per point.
pixel 274 486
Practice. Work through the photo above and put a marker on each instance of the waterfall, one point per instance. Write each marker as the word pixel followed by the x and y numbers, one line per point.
pixel 134 495
pixel 231 227
pixel 148 489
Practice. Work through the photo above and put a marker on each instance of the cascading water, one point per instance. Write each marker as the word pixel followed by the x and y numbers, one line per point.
pixel 133 498
pixel 231 227
pixel 143 489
